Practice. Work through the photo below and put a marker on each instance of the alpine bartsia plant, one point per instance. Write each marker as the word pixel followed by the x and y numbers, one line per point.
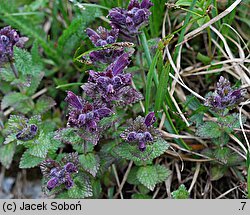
pixel 100 38
pixel 129 21
pixel 224 96
pixel 86 116
pixel 141 131
pixel 57 174
pixel 112 87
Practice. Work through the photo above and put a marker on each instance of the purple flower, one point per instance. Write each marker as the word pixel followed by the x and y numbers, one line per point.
pixel 224 96
pixel 84 115
pixel 141 132
pixel 27 133
pixel 100 38
pixel 112 86
pixel 52 183
pixel 8 38
pixel 129 21
pixel 58 174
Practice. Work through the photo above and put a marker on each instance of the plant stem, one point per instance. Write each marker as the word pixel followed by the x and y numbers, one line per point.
pixel 14 70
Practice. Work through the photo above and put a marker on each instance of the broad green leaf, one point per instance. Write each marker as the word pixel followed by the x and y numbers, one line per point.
pixel 90 162
pixel 43 104
pixel 132 179
pixel 39 147
pixel 6 154
pixel 18 101
pixel 209 130
pixel 69 136
pixel 180 193
pixel 149 176
pixel 23 61
pixel 217 172
pixel 131 152
pixel 29 161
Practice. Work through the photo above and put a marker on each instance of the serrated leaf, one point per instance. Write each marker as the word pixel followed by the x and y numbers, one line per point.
pixel 68 136
pixel 73 35
pixel 90 162
pixel 209 130
pixel 181 193
pixel 147 175
pixel 29 161
pixel 39 147
pixel 43 104
pixel 18 101
pixel 132 179
pixel 131 152
pixel 35 81
pixel 6 154
pixel 7 75
pixel 10 138
pixel 23 61
pixel 162 173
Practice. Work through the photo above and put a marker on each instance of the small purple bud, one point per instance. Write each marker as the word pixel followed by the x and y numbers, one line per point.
pixel 70 167
pixel 150 119
pixel 142 146
pixel 139 136
pixel 111 40
pixel 68 182
pixel 110 89
pixel 54 172
pixel 52 183
pixel 120 64
pixel 103 112
pixel 73 100
pixel 92 126
pixel 33 128
pixel 82 119
pixel 146 4
pixel 117 81
pixel 131 136
pixel 148 136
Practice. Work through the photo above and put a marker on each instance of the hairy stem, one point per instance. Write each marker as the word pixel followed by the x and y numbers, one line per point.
pixel 13 67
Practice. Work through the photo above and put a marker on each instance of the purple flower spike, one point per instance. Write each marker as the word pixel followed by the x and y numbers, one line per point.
pixel 139 133
pixel 131 20
pixel 58 174
pixel 150 119
pixel 224 96
pixel 52 183
pixel 102 37
pixel 112 87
